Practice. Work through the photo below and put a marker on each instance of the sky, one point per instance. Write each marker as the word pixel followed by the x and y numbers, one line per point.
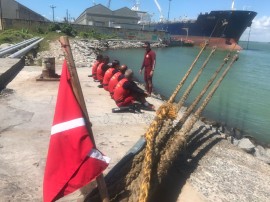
pixel 260 30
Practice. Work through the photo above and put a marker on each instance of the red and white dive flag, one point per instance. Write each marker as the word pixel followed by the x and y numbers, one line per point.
pixel 72 160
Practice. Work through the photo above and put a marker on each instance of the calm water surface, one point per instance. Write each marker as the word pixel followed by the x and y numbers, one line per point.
pixel 242 100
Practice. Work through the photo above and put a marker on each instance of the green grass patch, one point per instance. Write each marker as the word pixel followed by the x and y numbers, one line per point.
pixel 51 33
pixel 48 37
pixel 14 36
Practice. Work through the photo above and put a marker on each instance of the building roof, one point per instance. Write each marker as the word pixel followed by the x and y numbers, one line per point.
pixel 126 12
pixel 98 9
pixel 30 10
pixel 101 9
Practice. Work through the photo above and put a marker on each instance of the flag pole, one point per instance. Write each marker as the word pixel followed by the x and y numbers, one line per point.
pixel 76 87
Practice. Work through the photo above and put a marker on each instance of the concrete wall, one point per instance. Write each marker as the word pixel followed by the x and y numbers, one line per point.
pixel 130 34
pixel 24 24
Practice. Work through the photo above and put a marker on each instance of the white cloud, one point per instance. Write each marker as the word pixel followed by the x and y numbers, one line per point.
pixel 261 23
pixel 260 30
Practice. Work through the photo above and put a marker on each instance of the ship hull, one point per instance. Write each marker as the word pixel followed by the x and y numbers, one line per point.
pixel 221 28
pixel 218 42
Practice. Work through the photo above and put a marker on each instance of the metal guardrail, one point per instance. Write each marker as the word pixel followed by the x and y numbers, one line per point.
pixel 17 46
pixel 8 75
pixel 23 51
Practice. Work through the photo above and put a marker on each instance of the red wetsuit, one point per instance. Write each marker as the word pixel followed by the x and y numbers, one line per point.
pixel 149 65
pixel 122 96
pixel 148 62
pixel 113 81
pixel 102 68
pixel 94 69
pixel 107 76
pixel 100 74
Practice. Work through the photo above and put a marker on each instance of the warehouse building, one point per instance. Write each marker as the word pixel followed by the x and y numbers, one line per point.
pixel 102 16
pixel 12 10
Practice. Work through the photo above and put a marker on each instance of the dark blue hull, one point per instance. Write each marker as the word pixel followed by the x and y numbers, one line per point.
pixel 227 25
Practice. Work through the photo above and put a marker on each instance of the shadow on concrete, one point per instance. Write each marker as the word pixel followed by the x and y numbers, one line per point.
pixel 200 142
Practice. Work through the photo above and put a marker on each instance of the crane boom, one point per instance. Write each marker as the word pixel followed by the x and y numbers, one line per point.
pixel 161 18
pixel 109 3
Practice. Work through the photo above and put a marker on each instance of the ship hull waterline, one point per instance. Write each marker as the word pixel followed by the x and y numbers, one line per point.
pixel 218 42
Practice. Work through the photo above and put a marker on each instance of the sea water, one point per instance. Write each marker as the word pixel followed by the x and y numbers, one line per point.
pixel 243 99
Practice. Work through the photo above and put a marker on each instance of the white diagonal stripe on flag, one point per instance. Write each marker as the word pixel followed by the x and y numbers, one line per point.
pixel 67 125
pixel 97 155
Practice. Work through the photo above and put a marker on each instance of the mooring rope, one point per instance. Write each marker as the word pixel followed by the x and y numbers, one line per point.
pixel 194 81
pixel 161 139
pixel 179 86
pixel 176 143
pixel 166 111
pixel 203 47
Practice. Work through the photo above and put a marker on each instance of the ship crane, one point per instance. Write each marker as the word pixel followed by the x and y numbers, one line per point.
pixel 136 6
pixel 109 3
pixel 161 18
pixel 233 8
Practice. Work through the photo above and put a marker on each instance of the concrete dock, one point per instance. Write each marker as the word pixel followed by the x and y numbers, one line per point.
pixel 27 110
pixel 214 169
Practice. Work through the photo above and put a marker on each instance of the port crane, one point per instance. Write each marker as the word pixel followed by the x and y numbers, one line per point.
pixel 136 7
pixel 161 18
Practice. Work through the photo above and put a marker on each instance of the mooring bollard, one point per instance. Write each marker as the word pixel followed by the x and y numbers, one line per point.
pixel 48 71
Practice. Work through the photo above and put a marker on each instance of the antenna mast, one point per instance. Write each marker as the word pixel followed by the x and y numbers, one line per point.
pixel 169 10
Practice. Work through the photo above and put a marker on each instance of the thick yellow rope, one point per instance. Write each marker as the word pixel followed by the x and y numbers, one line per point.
pixel 175 144
pixel 163 113
pixel 180 85
pixel 166 111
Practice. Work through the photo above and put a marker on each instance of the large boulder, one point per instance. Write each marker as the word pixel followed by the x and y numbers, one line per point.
pixel 246 145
